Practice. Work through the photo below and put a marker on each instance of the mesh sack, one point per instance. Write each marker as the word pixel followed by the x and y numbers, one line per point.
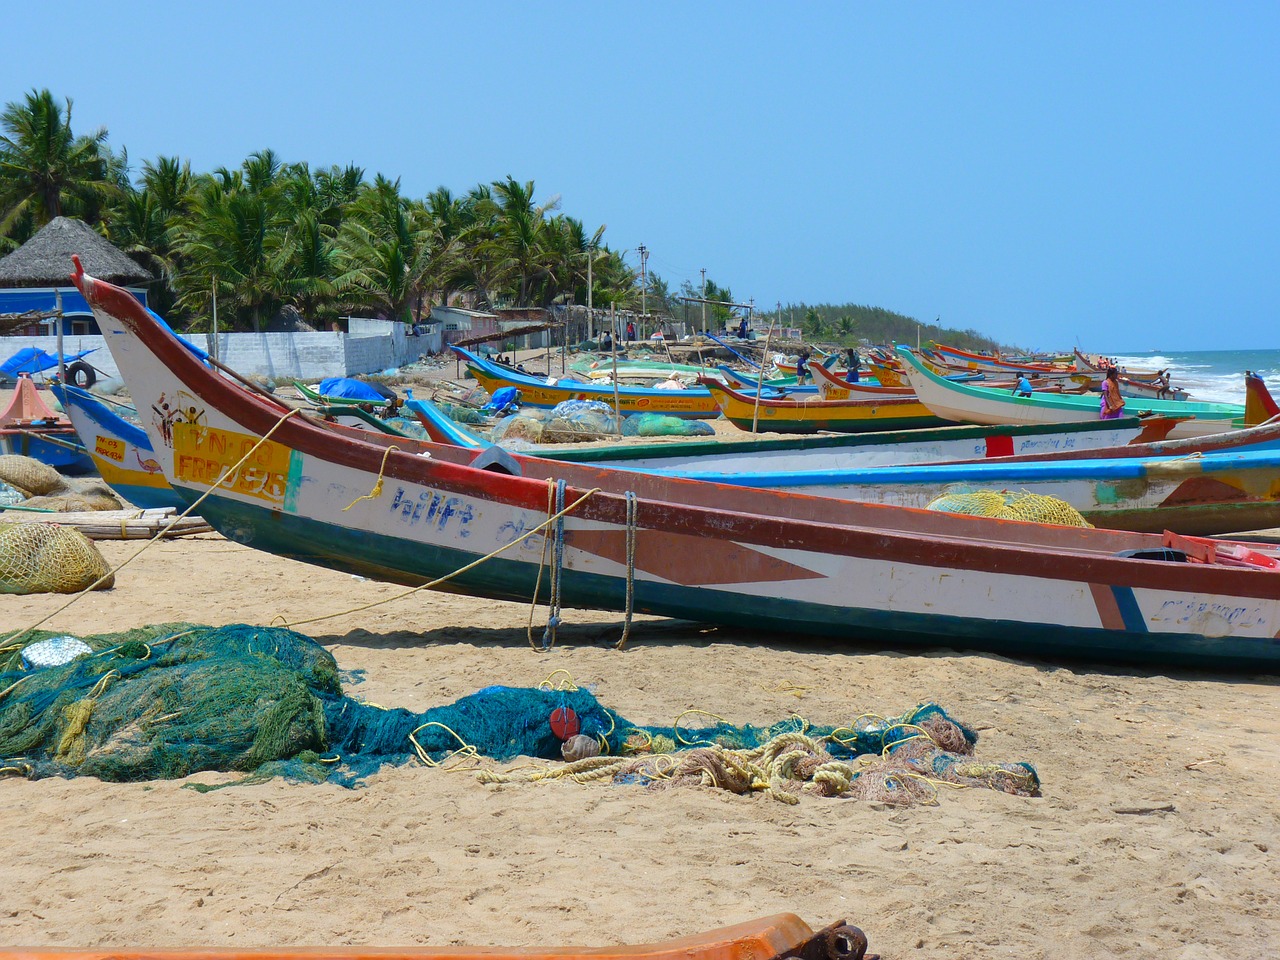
pixel 1027 507
pixel 30 476
pixel 519 428
pixel 47 558
pixel 980 503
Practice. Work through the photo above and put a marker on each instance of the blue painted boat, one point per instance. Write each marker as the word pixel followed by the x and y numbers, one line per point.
pixel 120 450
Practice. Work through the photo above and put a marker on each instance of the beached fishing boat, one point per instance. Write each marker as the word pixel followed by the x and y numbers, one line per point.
pixel 1203 495
pixel 826 451
pixel 1141 385
pixel 968 404
pixel 635 541
pixel 694 403
pixel 964 359
pixel 120 450
pixel 781 937
pixel 809 413
pixel 28 428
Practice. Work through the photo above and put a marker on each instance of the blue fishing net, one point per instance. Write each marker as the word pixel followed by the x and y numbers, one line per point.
pixel 171 700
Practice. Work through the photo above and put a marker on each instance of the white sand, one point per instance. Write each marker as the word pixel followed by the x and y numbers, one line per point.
pixel 428 856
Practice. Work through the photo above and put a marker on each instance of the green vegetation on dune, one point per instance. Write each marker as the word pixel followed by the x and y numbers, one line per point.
pixel 849 323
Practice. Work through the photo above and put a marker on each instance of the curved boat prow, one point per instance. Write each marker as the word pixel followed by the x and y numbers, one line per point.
pixel 1259 406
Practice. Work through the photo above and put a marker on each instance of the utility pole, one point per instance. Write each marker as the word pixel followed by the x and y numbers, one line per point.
pixel 591 317
pixel 704 299
pixel 644 285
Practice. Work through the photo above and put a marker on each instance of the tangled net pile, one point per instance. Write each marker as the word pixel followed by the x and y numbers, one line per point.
pixel 1003 505
pixel 44 487
pixel 171 700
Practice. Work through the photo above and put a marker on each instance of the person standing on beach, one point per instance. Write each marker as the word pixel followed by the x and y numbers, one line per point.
pixel 802 367
pixel 851 376
pixel 1112 405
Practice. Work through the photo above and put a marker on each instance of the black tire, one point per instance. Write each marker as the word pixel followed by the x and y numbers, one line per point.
pixel 82 375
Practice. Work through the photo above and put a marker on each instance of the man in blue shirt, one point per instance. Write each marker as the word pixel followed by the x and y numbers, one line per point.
pixel 1023 389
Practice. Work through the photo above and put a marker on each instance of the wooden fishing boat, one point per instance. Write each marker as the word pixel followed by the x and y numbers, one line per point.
pixel 1201 486
pixel 1141 385
pixel 121 451
pixel 28 428
pixel 317 398
pixel 1198 495
pixel 809 414
pixel 694 403
pixel 964 359
pixel 968 404
pixel 781 937
pixel 826 451
pixel 834 386
pixel 635 541
pixel 1096 366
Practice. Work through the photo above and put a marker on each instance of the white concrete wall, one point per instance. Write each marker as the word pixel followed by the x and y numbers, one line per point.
pixel 301 356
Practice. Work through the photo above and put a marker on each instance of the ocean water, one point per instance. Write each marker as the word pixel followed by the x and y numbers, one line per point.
pixel 1211 374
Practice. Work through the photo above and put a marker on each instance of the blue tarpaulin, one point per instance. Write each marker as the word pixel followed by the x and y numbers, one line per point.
pixel 34 360
pixel 351 390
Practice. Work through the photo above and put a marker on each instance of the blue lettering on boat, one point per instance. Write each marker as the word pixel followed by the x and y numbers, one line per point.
pixel 432 507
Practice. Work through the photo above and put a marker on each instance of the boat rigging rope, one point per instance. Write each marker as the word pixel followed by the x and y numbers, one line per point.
pixel 631 569
pixel 557 569
pixel 456 573
pixel 230 471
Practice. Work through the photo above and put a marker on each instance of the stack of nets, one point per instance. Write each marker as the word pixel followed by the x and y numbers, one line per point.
pixel 47 558
pixel 43 487
pixel 176 699
pixel 1003 505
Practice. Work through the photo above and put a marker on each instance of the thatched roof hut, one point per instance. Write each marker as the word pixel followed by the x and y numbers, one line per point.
pixel 45 259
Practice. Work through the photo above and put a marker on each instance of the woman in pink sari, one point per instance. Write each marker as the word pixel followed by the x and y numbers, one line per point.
pixel 1112 404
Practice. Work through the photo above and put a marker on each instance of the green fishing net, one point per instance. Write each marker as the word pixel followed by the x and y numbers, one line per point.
pixel 171 700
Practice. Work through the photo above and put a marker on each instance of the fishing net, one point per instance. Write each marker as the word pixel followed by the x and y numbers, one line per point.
pixel 47 558
pixel 175 699
pixel 1003 505
pixel 521 429
pixel 30 476
pixel 10 495
pixel 42 487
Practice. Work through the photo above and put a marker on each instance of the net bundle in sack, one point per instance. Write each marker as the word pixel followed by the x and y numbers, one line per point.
pixel 47 558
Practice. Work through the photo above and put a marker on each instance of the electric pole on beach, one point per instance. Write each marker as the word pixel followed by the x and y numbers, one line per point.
pixel 704 299
pixel 644 285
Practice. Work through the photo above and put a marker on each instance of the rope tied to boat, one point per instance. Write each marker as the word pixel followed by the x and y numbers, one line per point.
pixel 632 512
pixel 376 492
pixel 557 569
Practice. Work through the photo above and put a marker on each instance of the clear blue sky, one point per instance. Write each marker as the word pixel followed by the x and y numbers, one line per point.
pixel 1045 173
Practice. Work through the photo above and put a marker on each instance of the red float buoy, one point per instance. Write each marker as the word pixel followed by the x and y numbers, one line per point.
pixel 564 723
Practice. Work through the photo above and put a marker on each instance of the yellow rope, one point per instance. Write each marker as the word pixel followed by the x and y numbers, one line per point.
pixel 376 492
pixel 693 743
pixel 160 534
pixel 568 683
pixel 467 750
pixel 448 576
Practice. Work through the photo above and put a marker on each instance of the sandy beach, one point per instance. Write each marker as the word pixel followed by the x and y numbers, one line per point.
pixel 1155 835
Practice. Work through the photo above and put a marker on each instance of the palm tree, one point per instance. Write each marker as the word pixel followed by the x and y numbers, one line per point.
pixel 231 238
pixel 845 325
pixel 388 249
pixel 45 169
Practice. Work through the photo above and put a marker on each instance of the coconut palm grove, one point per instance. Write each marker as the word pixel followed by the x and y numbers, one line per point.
pixel 328 242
